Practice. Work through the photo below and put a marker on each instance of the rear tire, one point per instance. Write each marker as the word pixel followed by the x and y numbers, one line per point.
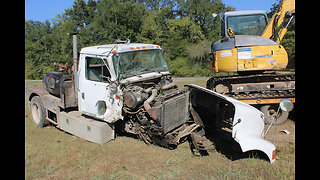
pixel 272 110
pixel 37 112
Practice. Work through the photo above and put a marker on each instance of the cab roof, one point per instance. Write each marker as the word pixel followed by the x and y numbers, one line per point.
pixel 127 47
pixel 248 12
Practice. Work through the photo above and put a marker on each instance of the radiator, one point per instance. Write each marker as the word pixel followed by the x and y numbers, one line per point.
pixel 174 110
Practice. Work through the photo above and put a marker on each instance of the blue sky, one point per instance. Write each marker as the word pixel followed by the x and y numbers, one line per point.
pixel 41 10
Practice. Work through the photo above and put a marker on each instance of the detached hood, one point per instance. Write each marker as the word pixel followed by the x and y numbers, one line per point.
pixel 247 122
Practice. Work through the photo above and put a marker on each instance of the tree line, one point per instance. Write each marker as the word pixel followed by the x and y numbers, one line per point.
pixel 185 29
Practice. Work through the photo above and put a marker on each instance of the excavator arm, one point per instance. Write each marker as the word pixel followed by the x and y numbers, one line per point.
pixel 276 29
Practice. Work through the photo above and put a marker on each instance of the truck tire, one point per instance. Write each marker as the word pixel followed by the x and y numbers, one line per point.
pixel 37 112
pixel 272 109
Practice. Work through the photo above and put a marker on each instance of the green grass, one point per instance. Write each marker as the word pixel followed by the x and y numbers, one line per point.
pixel 32 83
pixel 199 83
pixel 53 154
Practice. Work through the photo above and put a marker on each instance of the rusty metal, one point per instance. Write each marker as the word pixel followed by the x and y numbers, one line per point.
pixel 201 143
pixel 265 101
pixel 147 105
pixel 39 90
pixel 188 130
pixel 264 86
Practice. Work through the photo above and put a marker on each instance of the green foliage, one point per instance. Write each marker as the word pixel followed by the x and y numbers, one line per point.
pixel 288 42
pixel 184 29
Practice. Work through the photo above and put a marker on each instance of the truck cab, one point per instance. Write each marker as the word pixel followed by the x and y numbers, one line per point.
pixel 101 68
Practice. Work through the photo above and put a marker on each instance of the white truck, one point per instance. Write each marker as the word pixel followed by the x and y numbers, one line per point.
pixel 127 88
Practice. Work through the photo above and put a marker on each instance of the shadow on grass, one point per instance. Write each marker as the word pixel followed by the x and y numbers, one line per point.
pixel 226 145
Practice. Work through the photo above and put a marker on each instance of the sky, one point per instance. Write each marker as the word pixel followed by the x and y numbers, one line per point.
pixel 42 10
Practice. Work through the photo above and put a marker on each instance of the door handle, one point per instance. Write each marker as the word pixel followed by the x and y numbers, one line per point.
pixel 82 95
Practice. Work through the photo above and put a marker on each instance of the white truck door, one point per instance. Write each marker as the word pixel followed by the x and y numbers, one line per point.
pixel 93 85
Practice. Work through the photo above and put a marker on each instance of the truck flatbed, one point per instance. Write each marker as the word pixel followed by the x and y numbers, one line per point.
pixel 71 121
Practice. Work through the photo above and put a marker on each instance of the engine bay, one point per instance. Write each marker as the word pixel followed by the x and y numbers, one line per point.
pixel 157 111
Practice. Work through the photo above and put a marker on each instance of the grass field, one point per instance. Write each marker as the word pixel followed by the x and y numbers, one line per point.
pixel 53 154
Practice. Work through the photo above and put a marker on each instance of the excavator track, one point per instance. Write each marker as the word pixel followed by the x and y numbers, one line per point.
pixel 255 86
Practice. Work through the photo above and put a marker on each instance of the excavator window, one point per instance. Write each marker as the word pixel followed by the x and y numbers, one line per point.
pixel 247 24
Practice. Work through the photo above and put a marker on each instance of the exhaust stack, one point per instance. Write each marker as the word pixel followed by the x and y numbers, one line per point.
pixel 75 62
pixel 75 67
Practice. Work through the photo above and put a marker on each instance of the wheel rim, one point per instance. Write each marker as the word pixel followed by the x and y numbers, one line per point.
pixel 35 113
pixel 273 112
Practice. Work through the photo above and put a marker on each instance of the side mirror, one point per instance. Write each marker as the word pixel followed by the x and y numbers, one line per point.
pixel 220 15
pixel 286 105
pixel 214 15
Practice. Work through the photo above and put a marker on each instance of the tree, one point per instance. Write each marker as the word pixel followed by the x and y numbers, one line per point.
pixel 151 31
pixel 181 33
pixel 38 52
pixel 116 20
pixel 183 28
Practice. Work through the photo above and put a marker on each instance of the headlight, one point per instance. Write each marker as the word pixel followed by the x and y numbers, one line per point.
pixel 101 107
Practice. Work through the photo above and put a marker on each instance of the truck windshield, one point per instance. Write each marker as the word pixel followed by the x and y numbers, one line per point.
pixel 247 24
pixel 139 62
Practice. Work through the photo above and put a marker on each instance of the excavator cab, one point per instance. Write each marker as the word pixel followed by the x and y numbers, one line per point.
pixel 242 48
pixel 244 22
pixel 250 48
pixel 250 43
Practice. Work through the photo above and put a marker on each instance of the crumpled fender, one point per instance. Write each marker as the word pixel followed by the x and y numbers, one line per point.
pixel 248 124
pixel 249 132
pixel 250 143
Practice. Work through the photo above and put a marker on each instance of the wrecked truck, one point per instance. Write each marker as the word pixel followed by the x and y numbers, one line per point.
pixel 127 88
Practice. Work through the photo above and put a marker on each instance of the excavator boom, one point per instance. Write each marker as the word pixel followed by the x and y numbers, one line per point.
pixel 276 29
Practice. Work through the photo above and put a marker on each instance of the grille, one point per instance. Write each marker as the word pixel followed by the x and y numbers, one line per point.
pixel 174 112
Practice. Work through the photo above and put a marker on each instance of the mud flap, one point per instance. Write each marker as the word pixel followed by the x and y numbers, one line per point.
pixel 238 121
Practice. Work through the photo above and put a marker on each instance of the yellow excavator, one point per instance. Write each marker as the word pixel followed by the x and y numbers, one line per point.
pixel 251 48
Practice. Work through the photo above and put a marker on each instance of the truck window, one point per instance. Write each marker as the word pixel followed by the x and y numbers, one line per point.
pixel 96 70
pixel 139 62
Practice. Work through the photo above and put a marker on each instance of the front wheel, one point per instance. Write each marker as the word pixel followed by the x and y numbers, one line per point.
pixel 37 112
pixel 269 110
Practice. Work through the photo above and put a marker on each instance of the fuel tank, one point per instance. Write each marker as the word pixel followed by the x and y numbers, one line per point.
pixel 55 82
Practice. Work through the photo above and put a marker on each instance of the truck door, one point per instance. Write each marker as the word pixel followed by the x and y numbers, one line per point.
pixel 94 80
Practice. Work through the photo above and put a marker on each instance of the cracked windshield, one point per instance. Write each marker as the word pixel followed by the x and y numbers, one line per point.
pixel 139 62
